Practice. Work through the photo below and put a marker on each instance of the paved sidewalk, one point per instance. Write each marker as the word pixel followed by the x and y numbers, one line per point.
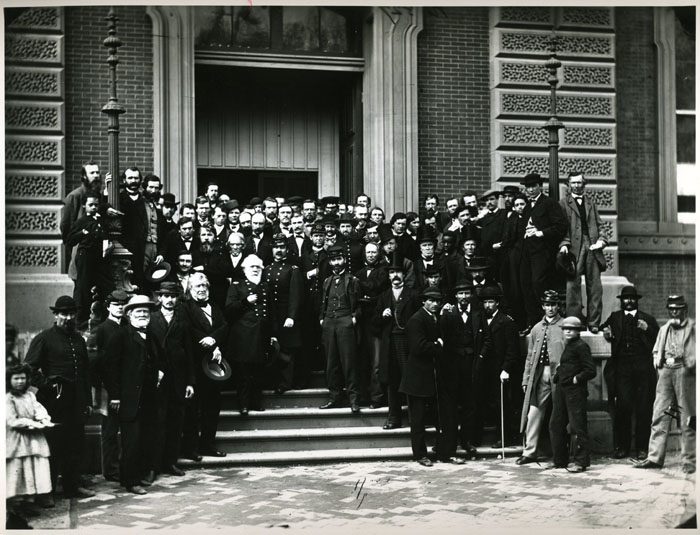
pixel 481 494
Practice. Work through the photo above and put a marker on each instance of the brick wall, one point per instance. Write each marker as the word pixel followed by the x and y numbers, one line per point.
pixel 453 101
pixel 87 88
pixel 637 149
pixel 657 277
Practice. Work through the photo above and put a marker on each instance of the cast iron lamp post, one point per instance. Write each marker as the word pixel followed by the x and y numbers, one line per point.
pixel 553 125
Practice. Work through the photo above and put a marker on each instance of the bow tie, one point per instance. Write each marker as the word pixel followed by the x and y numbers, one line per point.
pixel 141 329
pixel 187 240
pixel 202 304
pixel 629 313
pixel 464 310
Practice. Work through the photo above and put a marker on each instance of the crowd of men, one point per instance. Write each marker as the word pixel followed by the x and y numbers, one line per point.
pixel 422 309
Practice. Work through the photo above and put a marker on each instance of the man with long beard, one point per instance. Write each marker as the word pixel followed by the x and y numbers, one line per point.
pixel 208 330
pixel 249 336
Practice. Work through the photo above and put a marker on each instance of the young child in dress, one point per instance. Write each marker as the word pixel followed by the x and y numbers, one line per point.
pixel 27 452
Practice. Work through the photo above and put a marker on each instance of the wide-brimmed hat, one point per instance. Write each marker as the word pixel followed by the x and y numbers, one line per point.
pixel 158 272
pixel 566 264
pixel 169 288
pixel 431 293
pixel 572 322
pixel 480 263
pixel 531 178
pixel 629 291
pixel 330 199
pixel 139 301
pixel 490 192
pixel 551 297
pixel 491 292
pixel 676 301
pixel 65 303
pixel 216 371
pixel 169 199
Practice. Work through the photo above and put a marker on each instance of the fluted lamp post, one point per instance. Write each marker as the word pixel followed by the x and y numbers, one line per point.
pixel 553 125
pixel 120 257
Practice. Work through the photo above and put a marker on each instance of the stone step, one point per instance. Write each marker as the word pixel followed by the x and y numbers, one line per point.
pixel 330 455
pixel 303 417
pixel 309 397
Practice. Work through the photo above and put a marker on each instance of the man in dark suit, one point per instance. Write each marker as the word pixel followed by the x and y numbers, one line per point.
pixel 184 238
pixel 374 279
pixel 427 242
pixel 132 380
pixel 100 339
pixel 393 309
pixel 226 267
pixel 418 377
pixel 546 227
pixel 208 330
pixel 585 240
pixel 351 244
pixel 506 367
pixel 169 329
pixel 629 373
pixel 340 306
pixel 299 243
pixel 492 225
pixel 456 267
pixel 259 243
pixel 249 335
pixel 286 286
pixel 405 245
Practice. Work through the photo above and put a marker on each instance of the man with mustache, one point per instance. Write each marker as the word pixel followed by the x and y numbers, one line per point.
pixel 60 354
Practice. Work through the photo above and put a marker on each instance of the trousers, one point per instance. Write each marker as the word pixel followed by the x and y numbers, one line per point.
pixel 569 407
pixel 109 439
pixel 543 391
pixel 418 408
pixel 588 268
pixel 338 335
pixel 634 386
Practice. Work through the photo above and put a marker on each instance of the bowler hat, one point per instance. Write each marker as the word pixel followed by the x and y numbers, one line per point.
pixel 169 288
pixel 216 371
pixel 335 251
pixel 629 291
pixel 65 303
pixel 139 301
pixel 566 264
pixel 463 284
pixel 117 296
pixel 572 322
pixel 346 218
pixel 329 219
pixel 676 301
pixel 431 293
pixel 158 272
pixel 550 297
pixel 491 292
pixel 230 205
pixel 169 199
pixel 514 190
pixel 531 179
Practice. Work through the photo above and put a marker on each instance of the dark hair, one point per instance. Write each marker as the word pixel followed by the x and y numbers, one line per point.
pixel 16 370
pixel 308 201
pixel 431 196
pixel 83 172
pixel 201 200
pixel 92 195
pixel 187 205
pixel 151 178
pixel 397 215
pixel 520 196
pixel 210 184
pixel 577 173
pixel 470 193
pixel 184 220
pixel 411 216
pixel 369 199
pixel 132 168
pixel 454 198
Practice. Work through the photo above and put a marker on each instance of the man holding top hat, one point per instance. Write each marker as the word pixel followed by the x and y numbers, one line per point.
pixel 169 329
pixel 60 354
pixel 132 380
pixel 418 379
pixel 629 373
pixel 674 357
pixel 340 306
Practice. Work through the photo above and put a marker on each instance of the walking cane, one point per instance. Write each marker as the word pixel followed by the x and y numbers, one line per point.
pixel 503 440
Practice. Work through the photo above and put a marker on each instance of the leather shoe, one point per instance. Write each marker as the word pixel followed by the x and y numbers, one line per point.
pixel 554 466
pixel 80 492
pixel 192 456
pixel 593 329
pixel 646 463
pixel 524 459
pixel 643 454
pixel 330 405
pixel 471 450
pixel 213 453
pixel 453 460
pixel 258 408
pixel 135 489
pixel 391 425
pixel 576 469
pixel 355 408
pixel 376 405
pixel 174 471
pixel 148 479
pixel 244 411
pixel 620 453
pixel 425 462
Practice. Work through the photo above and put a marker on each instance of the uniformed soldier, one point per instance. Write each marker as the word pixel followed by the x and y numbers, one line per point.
pixel 284 282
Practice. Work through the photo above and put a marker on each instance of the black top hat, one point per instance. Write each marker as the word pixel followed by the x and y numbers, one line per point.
pixel 426 234
pixel 676 301
pixel 65 303
pixel 396 263
pixel 566 264
pixel 491 292
pixel 470 232
pixel 329 219
pixel 531 179
pixel 551 297
pixel 279 240
pixel 169 288
pixel 117 296
pixel 169 199
pixel 230 205
pixel 158 272
pixel 330 199
pixel 335 251
pixel 629 291
pixel 431 293
pixel 216 371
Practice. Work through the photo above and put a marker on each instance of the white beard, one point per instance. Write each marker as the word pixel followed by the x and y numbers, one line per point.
pixel 255 279
pixel 139 323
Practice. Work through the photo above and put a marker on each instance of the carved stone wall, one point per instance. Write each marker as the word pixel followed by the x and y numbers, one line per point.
pixel 586 104
pixel 35 141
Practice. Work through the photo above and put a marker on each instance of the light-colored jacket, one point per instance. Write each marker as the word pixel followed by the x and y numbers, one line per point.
pixel 688 345
pixel 555 347
pixel 573 236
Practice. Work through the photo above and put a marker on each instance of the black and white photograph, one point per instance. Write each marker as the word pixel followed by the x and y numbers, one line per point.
pixel 294 266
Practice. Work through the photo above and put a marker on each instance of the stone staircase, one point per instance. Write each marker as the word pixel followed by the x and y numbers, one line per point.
pixel 292 429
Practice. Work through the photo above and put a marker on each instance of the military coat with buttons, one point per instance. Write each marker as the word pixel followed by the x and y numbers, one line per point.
pixel 248 338
pixel 286 292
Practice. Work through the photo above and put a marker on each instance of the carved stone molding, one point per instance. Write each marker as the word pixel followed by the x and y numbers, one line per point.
pixel 37 256
pixel 39 18
pixel 529 103
pixel 536 16
pixel 33 82
pixel 29 48
pixel 515 165
pixel 587 17
pixel 24 219
pixel 34 150
pixel 23 115
pixel 575 136
pixel 34 185
pixel 591 45
pixel 604 197
pixel 390 107
pixel 612 260
pixel 524 72
pixel 609 228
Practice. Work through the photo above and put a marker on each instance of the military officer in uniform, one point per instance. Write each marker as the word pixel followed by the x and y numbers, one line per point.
pixel 284 282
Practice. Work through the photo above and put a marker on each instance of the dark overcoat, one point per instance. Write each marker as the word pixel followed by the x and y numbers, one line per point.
pixel 402 310
pixel 248 338
pixel 286 288
pixel 418 377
